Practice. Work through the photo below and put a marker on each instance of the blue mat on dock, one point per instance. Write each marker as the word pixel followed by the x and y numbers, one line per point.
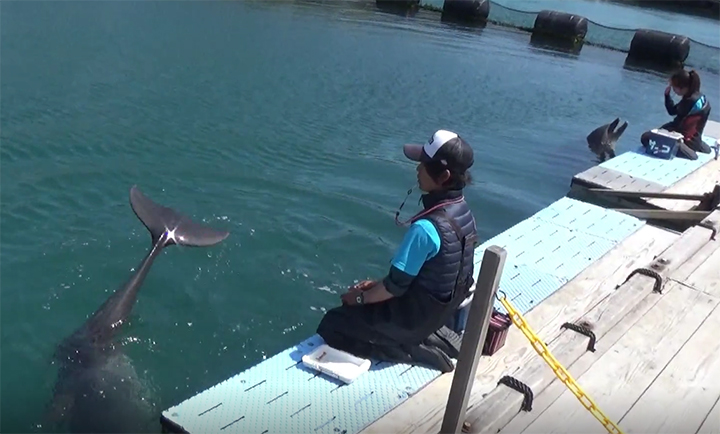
pixel 664 172
pixel 281 395
pixel 553 246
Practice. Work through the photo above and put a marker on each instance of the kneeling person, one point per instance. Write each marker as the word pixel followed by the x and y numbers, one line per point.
pixel 691 114
pixel 401 318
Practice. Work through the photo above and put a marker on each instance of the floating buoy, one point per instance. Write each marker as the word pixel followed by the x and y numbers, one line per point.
pixel 466 11
pixel 398 5
pixel 656 47
pixel 561 25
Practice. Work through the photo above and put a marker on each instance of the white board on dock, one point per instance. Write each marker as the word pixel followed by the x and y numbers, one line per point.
pixel 336 363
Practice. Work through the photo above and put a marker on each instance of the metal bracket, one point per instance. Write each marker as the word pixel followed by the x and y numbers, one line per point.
pixel 711 200
pixel 583 331
pixel 649 273
pixel 709 225
pixel 521 387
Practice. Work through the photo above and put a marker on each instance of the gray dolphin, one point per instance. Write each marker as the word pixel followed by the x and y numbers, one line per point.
pixel 602 140
pixel 96 389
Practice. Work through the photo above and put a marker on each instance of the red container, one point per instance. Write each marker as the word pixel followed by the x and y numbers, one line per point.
pixel 497 333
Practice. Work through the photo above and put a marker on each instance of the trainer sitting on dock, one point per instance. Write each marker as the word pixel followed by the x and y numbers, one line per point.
pixel 691 113
pixel 401 318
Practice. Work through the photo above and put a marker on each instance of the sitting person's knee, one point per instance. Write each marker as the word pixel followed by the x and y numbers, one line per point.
pixel 645 138
pixel 700 146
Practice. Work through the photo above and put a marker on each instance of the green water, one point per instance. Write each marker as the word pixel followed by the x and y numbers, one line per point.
pixel 279 122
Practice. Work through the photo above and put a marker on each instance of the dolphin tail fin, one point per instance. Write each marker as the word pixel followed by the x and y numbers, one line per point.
pixel 159 219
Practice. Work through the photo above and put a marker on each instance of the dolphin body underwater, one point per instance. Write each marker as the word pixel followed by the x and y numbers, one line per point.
pixel 602 140
pixel 96 389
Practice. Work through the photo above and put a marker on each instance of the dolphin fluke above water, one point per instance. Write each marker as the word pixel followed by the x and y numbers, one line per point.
pixel 178 229
pixel 91 367
pixel 602 140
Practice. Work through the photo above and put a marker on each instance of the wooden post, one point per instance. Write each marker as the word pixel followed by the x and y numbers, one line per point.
pixel 473 339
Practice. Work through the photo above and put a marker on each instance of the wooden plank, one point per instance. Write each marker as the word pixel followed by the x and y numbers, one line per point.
pixel 692 241
pixel 661 214
pixel 706 278
pixel 423 411
pixel 645 194
pixel 598 176
pixel 618 377
pixel 712 421
pixel 683 273
pixel 682 396
pixel 471 348
pixel 502 404
pixel 622 308
pixel 547 396
pixel 701 181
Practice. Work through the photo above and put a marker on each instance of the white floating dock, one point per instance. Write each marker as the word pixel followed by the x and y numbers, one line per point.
pixel 637 171
pixel 281 395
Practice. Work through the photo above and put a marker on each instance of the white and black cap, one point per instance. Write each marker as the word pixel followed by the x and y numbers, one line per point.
pixel 445 147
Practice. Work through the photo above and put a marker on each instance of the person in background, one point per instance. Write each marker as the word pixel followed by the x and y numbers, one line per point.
pixel 402 318
pixel 691 112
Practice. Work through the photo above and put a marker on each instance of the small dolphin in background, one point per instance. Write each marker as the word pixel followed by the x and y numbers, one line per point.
pixel 602 140
pixel 96 389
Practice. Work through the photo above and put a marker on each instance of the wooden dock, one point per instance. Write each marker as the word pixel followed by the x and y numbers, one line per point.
pixel 657 359
pixel 657 356
pixel 635 171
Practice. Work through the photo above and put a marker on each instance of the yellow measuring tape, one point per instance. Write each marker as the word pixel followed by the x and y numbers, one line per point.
pixel 558 369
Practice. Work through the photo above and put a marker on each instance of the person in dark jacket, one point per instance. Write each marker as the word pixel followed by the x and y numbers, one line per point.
pixel 691 112
pixel 403 317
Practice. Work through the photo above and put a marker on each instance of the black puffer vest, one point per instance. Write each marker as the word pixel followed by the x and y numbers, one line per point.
pixel 692 125
pixel 455 223
pixel 442 284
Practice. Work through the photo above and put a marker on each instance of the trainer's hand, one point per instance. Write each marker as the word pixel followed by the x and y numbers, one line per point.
pixel 362 286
